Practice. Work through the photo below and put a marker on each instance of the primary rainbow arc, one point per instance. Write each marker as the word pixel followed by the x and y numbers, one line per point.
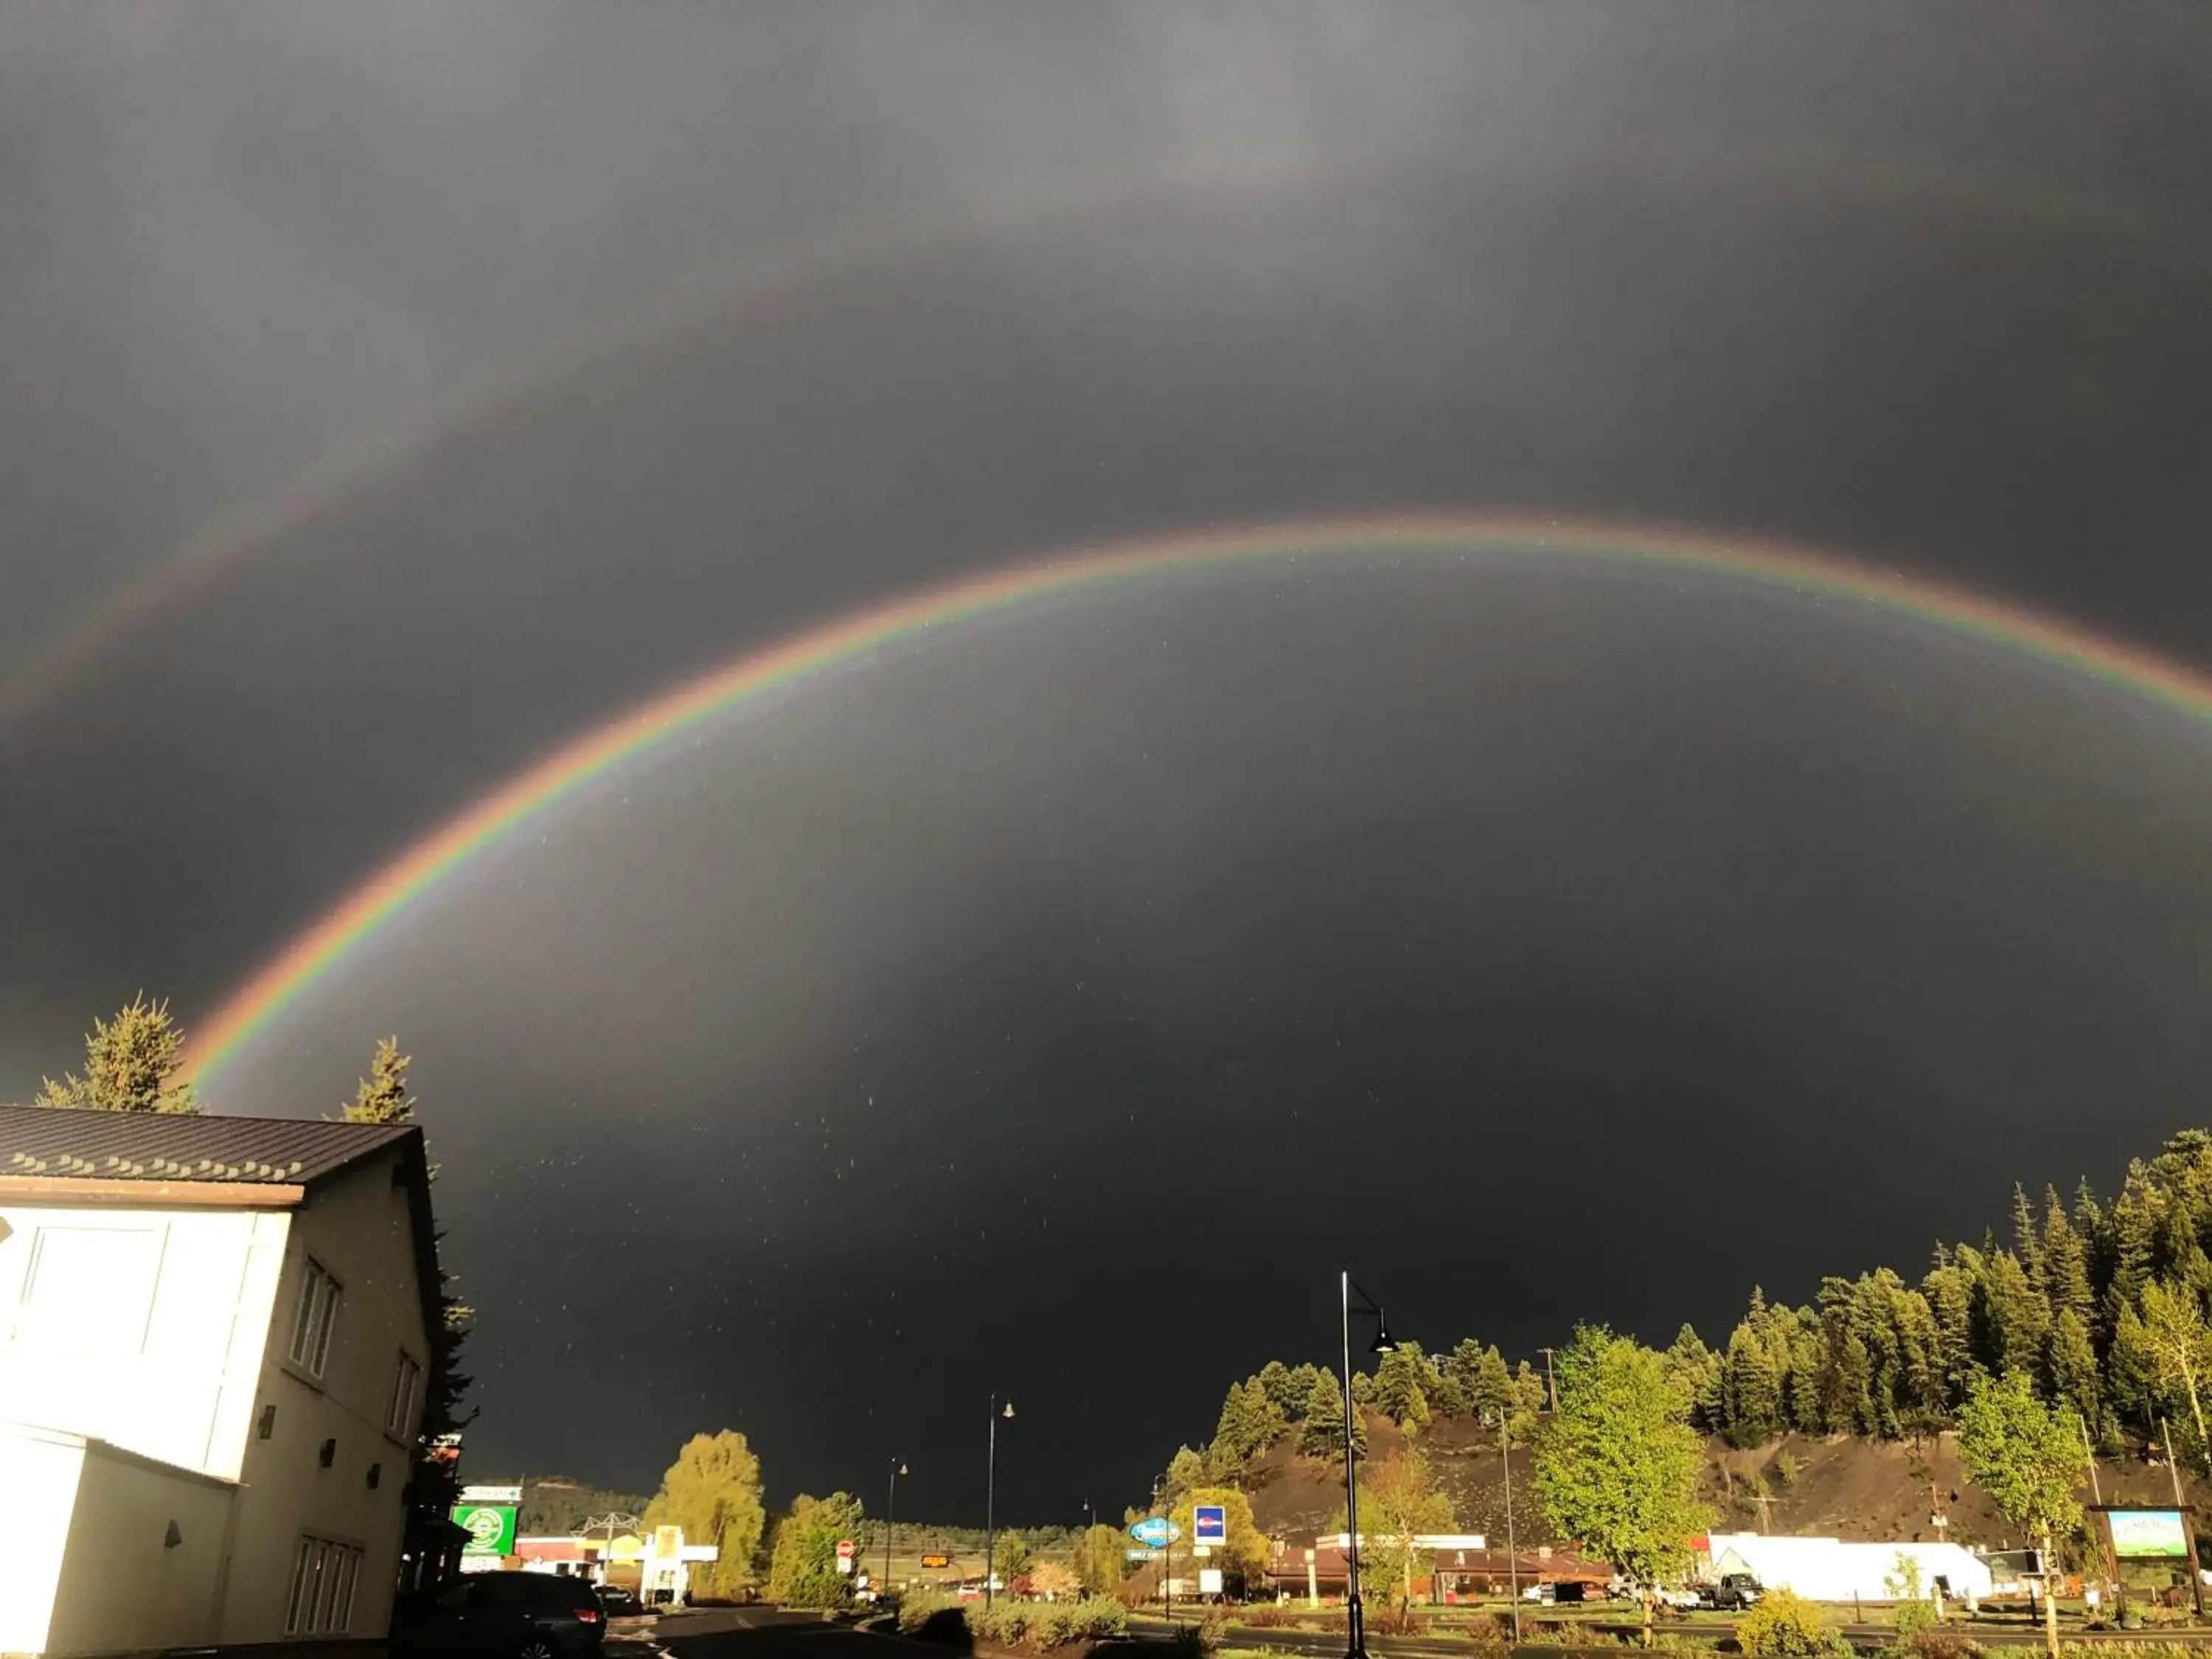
pixel 250 1009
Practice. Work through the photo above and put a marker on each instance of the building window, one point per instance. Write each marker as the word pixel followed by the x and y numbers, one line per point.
pixel 406 1381
pixel 312 1318
pixel 324 1574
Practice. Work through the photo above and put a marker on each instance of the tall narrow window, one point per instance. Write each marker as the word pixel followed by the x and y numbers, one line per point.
pixel 406 1381
pixel 313 1316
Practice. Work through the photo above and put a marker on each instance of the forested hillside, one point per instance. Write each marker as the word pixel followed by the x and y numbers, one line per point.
pixel 2101 1301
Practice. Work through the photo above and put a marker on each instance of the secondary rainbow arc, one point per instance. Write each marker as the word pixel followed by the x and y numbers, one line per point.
pixel 312 954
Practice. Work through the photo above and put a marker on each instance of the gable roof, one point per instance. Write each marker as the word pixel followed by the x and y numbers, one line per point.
pixel 50 1153
pixel 62 1144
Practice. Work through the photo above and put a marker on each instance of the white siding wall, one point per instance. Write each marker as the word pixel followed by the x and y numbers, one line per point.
pixel 166 1333
pixel 126 1587
pixel 39 1471
pixel 142 1328
pixel 359 1230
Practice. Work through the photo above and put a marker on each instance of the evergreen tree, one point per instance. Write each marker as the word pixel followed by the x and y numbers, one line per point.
pixel 1694 1369
pixel 1248 1424
pixel 130 1065
pixel 1323 1432
pixel 2072 1368
pixel 1282 1388
pixel 2065 1263
pixel 1751 1381
pixel 1398 1392
pixel 382 1097
pixel 1492 1394
pixel 1186 1470
pixel 2026 1241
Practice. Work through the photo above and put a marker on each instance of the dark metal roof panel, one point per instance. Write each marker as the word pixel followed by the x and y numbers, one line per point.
pixel 36 1141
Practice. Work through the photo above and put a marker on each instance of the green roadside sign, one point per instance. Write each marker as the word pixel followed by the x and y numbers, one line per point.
pixel 490 1528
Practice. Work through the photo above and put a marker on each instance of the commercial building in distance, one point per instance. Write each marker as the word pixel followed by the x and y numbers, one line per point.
pixel 215 1338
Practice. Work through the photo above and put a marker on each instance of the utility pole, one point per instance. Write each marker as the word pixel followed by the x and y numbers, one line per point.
pixel 1512 1551
pixel 2089 1456
pixel 611 1521
pixel 1551 1382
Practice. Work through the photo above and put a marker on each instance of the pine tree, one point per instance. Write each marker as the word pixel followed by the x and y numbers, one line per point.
pixel 1281 1387
pixel 130 1065
pixel 2072 1367
pixel 2065 1262
pixel 1398 1392
pixel 1751 1384
pixel 382 1097
pixel 1323 1434
pixel 2026 1242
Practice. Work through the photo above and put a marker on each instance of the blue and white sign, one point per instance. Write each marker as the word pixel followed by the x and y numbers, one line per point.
pixel 1156 1530
pixel 1209 1524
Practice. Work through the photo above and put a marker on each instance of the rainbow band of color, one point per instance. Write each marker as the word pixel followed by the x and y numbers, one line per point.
pixel 265 997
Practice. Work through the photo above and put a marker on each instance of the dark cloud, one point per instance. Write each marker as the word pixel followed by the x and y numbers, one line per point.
pixel 901 1038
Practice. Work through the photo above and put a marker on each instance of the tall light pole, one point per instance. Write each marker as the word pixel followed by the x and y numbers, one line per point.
pixel 1354 1622
pixel 990 1495
pixel 891 1500
pixel 1512 1554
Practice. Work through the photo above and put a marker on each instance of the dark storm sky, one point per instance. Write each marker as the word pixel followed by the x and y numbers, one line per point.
pixel 1051 1003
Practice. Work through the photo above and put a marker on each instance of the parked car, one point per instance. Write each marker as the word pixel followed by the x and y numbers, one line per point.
pixel 1676 1596
pixel 503 1615
pixel 620 1603
pixel 1735 1592
pixel 1544 1593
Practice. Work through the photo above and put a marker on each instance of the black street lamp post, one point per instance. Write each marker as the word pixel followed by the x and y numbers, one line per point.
pixel 1355 1622
pixel 891 1508
pixel 990 1495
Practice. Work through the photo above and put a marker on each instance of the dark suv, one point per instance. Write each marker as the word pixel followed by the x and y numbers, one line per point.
pixel 503 1615
pixel 1735 1592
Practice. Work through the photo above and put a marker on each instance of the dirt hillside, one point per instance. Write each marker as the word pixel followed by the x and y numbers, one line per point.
pixel 1836 1488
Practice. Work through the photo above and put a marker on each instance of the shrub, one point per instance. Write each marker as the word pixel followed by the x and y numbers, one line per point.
pixel 1785 1470
pixel 1912 1618
pixel 1783 1625
pixel 1094 1618
pixel 1002 1623
pixel 1936 1642
pixel 1395 1621
pixel 1269 1616
pixel 917 1606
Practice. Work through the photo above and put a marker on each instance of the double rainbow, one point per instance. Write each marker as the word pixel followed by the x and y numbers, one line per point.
pixel 416 872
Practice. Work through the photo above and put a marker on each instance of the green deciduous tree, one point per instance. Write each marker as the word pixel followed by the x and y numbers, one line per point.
pixel 1012 1556
pixel 2179 1348
pixel 2026 1456
pixel 1617 1466
pixel 713 1491
pixel 1245 1558
pixel 802 1566
pixel 1399 1500
pixel 1100 1561
pixel 130 1065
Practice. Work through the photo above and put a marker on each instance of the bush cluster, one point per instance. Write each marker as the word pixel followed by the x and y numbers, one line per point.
pixel 1784 1625
pixel 1038 1626
pixel 918 1607
pixel 1912 1618
pixel 1932 1641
